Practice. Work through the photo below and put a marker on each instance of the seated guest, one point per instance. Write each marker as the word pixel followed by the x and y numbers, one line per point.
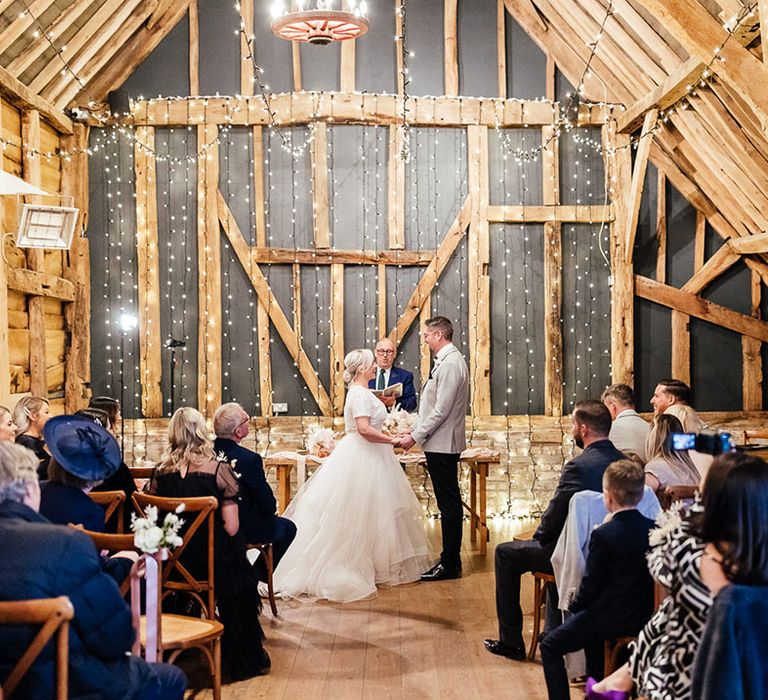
pixel 719 542
pixel 41 560
pixel 189 468
pixel 591 424
pixel 615 598
pixel 7 426
pixel 30 416
pixel 387 375
pixel 84 454
pixel 257 508
pixel 106 411
pixel 667 466
pixel 628 430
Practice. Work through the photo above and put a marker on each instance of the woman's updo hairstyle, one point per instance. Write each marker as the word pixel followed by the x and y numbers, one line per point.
pixel 356 361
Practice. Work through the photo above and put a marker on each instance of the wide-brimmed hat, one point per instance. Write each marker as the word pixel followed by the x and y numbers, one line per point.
pixel 82 447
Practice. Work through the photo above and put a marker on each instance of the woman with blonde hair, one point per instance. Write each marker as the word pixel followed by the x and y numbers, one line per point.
pixel 359 523
pixel 30 416
pixel 667 466
pixel 7 426
pixel 189 468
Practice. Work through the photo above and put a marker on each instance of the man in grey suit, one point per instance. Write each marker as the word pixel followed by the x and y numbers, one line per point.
pixel 441 432
pixel 628 430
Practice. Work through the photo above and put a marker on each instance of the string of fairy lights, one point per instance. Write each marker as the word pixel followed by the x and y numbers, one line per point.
pixel 296 142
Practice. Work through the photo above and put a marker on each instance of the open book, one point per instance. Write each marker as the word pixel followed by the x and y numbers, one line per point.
pixel 395 390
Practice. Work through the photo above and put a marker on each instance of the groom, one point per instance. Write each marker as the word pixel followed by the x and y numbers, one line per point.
pixel 440 432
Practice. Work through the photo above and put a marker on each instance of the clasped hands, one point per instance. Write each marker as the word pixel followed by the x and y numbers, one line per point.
pixel 404 440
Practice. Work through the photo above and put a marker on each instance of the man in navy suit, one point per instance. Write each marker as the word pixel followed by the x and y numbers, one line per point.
pixel 591 423
pixel 615 598
pixel 387 375
pixel 257 509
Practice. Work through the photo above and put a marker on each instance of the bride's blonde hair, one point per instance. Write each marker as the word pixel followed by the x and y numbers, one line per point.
pixel 355 361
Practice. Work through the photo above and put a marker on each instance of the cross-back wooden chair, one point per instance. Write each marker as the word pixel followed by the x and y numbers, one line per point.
pixel 198 511
pixel 111 544
pixel 670 494
pixel 113 503
pixel 53 614
pixel 265 549
pixel 159 633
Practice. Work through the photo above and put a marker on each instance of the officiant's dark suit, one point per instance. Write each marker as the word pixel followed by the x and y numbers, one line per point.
pixel 398 375
pixel 591 424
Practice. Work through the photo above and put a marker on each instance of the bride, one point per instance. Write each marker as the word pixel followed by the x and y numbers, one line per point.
pixel 359 523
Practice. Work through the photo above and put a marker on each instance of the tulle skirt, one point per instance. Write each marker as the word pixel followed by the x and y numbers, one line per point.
pixel 359 526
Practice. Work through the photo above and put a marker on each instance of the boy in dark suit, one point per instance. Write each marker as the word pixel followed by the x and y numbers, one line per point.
pixel 615 598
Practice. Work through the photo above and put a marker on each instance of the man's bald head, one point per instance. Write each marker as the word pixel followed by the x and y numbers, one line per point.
pixel 385 353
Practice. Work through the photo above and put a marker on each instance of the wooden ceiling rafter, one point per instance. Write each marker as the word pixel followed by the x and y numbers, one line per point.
pixel 133 53
pixel 82 37
pixel 77 65
pixel 23 21
pixel 58 27
pixel 117 38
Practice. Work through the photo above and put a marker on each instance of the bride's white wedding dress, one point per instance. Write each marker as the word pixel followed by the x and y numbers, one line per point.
pixel 359 524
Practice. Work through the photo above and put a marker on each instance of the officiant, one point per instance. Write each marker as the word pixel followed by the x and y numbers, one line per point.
pixel 389 375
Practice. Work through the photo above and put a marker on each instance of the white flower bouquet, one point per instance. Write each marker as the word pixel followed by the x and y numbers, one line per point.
pixel 667 522
pixel 398 421
pixel 150 537
pixel 320 441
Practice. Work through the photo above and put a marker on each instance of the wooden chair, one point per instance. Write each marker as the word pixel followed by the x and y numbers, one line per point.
pixel 177 633
pixel 111 544
pixel 669 495
pixel 141 475
pixel 112 502
pixel 266 552
pixel 613 650
pixel 540 581
pixel 176 576
pixel 53 614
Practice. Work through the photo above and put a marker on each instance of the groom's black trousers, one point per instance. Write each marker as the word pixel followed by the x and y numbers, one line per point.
pixel 443 469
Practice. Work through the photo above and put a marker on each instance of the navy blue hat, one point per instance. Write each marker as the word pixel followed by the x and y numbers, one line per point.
pixel 82 447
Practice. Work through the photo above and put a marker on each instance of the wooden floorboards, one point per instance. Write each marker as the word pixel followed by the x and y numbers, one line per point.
pixel 416 641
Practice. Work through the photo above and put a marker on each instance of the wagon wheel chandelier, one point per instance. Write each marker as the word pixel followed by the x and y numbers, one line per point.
pixel 322 24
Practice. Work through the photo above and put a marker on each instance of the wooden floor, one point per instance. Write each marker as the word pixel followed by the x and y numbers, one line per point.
pixel 415 641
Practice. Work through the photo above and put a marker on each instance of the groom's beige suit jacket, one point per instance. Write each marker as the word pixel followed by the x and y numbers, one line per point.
pixel 441 426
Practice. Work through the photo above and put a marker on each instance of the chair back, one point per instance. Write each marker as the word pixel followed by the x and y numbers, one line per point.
pixel 111 544
pixel 671 494
pixel 53 615
pixel 176 576
pixel 112 502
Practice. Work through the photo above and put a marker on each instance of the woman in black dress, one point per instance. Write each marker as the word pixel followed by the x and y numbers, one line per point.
pixel 190 468
pixel 30 416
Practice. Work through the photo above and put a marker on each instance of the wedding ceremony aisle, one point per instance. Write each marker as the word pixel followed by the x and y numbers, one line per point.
pixel 415 641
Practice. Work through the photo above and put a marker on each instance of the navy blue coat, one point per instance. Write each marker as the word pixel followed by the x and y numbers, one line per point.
pixel 42 560
pixel 582 472
pixel 617 591
pixel 396 375
pixel 257 507
pixel 63 504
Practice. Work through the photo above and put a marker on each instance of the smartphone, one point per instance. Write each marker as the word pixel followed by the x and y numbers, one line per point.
pixel 683 441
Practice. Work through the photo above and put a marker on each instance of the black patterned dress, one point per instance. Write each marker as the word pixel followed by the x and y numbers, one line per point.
pixel 662 658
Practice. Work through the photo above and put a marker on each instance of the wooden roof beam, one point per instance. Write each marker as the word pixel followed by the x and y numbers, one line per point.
pixel 691 24
pixel 22 97
pixel 131 55
pixel 37 48
pixel 697 306
pixel 757 243
pixel 669 92
pixel 23 22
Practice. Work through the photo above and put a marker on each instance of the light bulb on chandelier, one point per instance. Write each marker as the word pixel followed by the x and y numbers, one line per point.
pixel 322 24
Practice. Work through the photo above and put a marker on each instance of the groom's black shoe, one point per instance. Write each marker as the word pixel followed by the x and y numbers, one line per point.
pixel 496 646
pixel 439 572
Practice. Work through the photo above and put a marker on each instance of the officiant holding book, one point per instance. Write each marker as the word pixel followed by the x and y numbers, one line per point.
pixel 387 375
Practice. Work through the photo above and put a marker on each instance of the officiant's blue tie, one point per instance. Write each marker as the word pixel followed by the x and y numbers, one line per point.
pixel 380 382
